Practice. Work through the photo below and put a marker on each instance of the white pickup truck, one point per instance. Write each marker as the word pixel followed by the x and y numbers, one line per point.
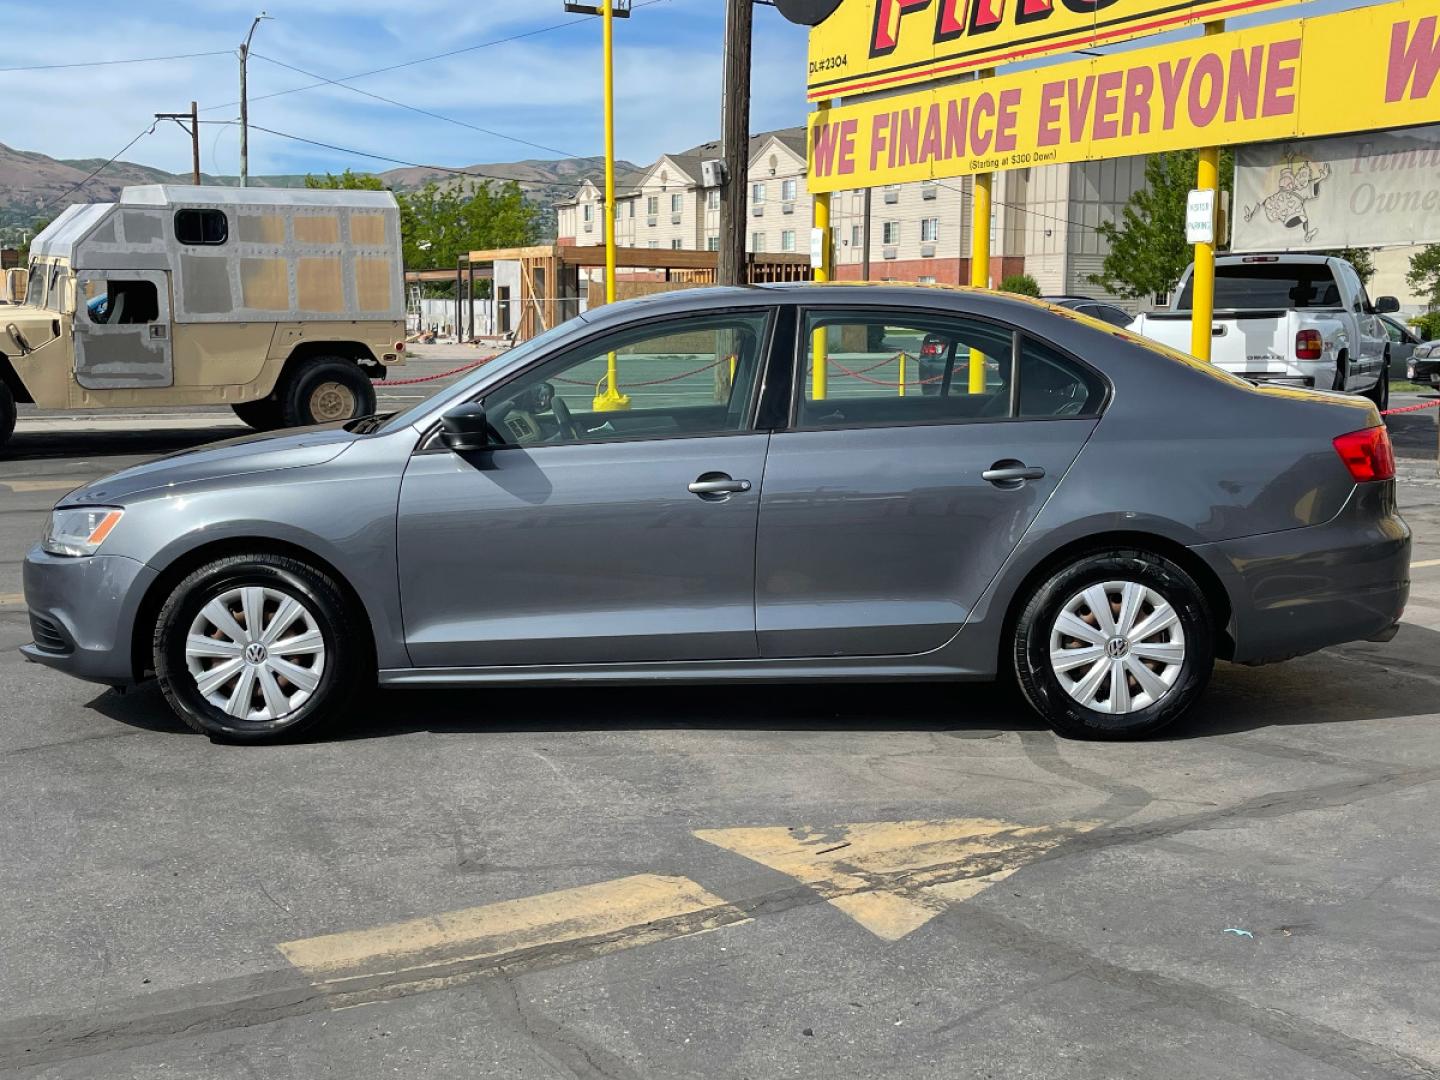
pixel 1301 320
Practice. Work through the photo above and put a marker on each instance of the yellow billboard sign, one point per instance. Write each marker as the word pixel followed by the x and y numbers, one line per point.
pixel 1372 68
pixel 870 45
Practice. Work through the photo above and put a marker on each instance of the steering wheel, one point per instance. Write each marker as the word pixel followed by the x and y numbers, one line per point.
pixel 563 418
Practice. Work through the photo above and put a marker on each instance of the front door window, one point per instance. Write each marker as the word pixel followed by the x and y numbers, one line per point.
pixel 684 378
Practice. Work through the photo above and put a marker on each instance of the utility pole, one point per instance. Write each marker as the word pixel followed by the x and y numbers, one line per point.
pixel 245 104
pixel 735 143
pixel 865 244
pixel 193 116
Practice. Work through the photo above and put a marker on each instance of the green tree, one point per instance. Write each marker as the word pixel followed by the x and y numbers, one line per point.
pixel 40 226
pixel 346 181
pixel 1424 275
pixel 1023 284
pixel 1148 252
pixel 1427 325
pixel 1360 258
pixel 438 224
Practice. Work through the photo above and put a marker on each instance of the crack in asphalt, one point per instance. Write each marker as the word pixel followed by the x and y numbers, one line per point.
pixel 249 1001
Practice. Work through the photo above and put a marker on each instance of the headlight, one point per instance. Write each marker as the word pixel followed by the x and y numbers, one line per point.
pixel 79 530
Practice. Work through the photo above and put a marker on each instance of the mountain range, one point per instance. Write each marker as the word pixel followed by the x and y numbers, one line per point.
pixel 36 187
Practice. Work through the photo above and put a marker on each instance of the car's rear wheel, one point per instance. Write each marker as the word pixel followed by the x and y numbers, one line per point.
pixel 1115 645
pixel 254 648
pixel 324 392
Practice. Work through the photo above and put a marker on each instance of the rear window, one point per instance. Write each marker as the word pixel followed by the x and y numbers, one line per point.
pixel 201 227
pixel 1252 286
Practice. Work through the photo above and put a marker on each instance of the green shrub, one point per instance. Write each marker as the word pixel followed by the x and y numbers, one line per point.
pixel 1427 325
pixel 1023 284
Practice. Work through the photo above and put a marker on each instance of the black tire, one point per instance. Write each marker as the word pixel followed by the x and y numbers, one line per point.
pixel 7 413
pixel 346 666
pixel 1342 372
pixel 1380 392
pixel 1039 681
pixel 262 415
pixel 310 389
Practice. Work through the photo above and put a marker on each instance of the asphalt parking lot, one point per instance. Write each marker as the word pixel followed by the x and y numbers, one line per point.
pixel 730 882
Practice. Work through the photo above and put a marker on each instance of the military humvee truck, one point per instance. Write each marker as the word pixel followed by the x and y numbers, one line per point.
pixel 283 304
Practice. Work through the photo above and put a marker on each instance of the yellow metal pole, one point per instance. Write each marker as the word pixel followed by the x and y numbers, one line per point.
pixel 903 358
pixel 1202 306
pixel 980 254
pixel 611 399
pixel 821 380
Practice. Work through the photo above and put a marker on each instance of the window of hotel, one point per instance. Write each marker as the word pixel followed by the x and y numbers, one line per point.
pixel 787 240
pixel 930 230
pixel 892 232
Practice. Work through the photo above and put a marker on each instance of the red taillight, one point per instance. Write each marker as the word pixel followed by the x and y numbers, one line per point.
pixel 930 348
pixel 1367 454
pixel 1309 345
pixel 399 346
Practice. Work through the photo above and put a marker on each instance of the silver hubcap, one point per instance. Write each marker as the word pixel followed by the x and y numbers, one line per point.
pixel 1117 647
pixel 332 401
pixel 255 653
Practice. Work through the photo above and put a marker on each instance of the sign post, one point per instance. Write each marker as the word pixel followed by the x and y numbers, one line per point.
pixel 1202 304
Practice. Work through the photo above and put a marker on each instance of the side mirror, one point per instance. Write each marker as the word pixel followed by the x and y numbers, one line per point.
pixel 14 331
pixel 1386 305
pixel 465 428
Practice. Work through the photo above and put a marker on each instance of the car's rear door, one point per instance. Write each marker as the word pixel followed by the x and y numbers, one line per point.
pixel 887 511
pixel 595 535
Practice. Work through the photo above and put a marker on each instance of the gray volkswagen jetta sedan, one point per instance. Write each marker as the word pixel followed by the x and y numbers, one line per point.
pixel 775 498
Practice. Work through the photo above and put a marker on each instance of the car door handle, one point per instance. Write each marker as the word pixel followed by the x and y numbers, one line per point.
pixel 718 484
pixel 1011 474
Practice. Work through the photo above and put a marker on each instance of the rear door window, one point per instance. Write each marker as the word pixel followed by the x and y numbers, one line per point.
pixel 882 369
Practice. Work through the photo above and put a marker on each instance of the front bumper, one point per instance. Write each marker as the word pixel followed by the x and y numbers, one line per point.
pixel 1296 591
pixel 82 613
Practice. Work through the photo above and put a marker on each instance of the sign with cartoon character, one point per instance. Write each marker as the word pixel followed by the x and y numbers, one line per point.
pixel 1372 190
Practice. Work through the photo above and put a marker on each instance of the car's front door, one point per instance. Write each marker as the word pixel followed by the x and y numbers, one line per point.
pixel 887 511
pixel 597 534
pixel 122 330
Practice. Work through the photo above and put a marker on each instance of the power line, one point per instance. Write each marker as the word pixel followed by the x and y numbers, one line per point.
pixel 148 131
pixel 107 63
pixel 414 108
pixel 1016 206
pixel 422 59
pixel 474 174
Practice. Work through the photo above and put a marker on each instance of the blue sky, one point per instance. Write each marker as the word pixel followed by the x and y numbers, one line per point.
pixel 543 88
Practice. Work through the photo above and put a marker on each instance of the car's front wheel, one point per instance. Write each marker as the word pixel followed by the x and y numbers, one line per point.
pixel 254 648
pixel 1115 645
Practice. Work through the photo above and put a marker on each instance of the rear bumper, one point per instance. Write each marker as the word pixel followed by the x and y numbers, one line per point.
pixel 1296 591
pixel 82 613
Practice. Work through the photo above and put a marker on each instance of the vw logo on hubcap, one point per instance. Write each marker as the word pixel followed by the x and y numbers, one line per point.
pixel 255 653
pixel 1117 648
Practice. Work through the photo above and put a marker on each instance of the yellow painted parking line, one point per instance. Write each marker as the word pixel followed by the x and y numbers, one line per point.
pixel 59 484
pixel 1424 563
pixel 629 911
pixel 892 877
pixel 12 600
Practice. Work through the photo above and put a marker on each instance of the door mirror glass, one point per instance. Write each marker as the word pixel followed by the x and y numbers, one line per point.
pixel 1387 305
pixel 465 427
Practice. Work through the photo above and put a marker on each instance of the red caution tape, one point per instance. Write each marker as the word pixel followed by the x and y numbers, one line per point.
pixel 1411 408
pixel 442 375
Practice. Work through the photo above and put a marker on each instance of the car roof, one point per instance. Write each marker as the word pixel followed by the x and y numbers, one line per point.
pixel 862 293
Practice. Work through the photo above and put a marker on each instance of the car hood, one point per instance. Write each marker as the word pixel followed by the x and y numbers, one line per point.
pixel 292 449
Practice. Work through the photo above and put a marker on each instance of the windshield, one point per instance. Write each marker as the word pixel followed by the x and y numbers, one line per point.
pixel 1253 286
pixel 35 291
pixel 518 355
